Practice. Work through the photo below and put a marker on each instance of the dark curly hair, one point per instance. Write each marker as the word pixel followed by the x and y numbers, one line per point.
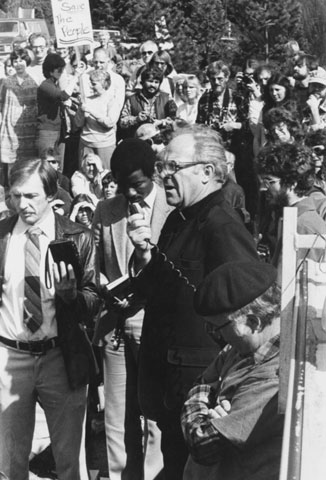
pixel 151 73
pixel 21 53
pixel 291 162
pixel 276 116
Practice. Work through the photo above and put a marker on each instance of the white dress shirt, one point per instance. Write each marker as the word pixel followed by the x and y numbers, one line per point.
pixel 12 309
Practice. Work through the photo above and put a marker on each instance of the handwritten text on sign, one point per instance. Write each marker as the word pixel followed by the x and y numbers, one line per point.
pixel 72 22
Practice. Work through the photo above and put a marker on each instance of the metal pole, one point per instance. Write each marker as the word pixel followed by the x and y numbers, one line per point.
pixel 296 431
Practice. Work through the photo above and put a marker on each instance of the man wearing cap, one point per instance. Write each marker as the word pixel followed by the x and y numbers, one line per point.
pixel 202 233
pixel 148 132
pixel 317 99
pixel 132 166
pixel 230 420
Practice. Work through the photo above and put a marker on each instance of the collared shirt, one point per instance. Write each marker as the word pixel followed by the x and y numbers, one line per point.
pixel 11 311
pixel 36 72
pixel 247 441
pixel 215 110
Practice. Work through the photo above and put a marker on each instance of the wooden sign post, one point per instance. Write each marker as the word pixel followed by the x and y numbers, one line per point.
pixel 303 353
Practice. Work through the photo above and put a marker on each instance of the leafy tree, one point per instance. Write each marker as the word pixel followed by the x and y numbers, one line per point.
pixel 102 13
pixel 266 25
pixel 314 22
pixel 196 28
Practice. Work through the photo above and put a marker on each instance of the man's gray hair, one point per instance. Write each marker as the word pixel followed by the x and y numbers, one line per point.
pixel 208 147
pixel 266 307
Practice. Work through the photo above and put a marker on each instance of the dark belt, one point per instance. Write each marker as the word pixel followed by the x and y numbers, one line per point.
pixel 39 347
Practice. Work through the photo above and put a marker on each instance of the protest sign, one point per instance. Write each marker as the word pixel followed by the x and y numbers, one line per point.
pixel 72 22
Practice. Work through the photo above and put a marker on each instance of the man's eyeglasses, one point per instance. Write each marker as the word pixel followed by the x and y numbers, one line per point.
pixel 147 53
pixel 171 167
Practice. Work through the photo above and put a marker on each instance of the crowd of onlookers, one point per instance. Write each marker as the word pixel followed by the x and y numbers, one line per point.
pixel 78 107
pixel 77 112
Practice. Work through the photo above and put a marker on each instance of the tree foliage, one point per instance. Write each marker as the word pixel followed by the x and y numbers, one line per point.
pixel 197 27
pixel 265 26
pixel 314 23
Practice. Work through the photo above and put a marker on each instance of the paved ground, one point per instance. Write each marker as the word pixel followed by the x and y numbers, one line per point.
pixel 43 465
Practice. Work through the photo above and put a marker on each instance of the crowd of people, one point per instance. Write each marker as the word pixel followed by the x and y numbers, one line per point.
pixel 169 188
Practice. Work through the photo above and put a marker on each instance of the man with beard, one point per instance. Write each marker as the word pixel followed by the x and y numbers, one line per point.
pixel 147 106
pixel 288 173
pixel 303 65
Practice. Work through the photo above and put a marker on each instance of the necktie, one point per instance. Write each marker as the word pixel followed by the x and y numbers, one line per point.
pixel 32 301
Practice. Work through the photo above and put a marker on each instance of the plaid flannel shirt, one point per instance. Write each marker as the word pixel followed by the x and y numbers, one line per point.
pixel 202 435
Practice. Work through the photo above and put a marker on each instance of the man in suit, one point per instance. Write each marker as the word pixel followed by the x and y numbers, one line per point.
pixel 132 166
pixel 44 354
pixel 202 233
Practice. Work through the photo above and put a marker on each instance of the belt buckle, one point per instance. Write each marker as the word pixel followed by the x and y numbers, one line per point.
pixel 36 347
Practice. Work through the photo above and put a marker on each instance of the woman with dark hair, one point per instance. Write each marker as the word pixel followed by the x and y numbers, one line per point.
pixel 109 186
pixel 162 60
pixel 18 109
pixel 50 100
pixel 282 125
pixel 278 93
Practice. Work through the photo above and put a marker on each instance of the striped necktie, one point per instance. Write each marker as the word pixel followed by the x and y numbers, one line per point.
pixel 32 302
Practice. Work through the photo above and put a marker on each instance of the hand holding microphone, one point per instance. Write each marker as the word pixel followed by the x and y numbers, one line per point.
pixel 138 228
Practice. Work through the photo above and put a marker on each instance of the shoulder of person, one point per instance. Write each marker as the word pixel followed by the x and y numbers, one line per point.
pixel 7 225
pixel 165 96
pixel 66 227
pixel 117 202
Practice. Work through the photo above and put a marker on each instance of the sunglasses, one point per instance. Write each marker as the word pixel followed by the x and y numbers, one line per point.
pixel 149 52
pixel 319 150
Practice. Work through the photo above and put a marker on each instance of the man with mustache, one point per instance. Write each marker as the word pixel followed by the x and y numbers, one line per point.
pixel 288 173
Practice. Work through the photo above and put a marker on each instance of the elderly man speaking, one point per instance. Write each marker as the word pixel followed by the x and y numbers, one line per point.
pixel 202 233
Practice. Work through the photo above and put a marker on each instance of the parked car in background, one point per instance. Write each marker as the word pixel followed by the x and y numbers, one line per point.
pixel 11 28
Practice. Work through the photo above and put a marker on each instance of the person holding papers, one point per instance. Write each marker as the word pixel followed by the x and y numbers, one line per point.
pixel 132 166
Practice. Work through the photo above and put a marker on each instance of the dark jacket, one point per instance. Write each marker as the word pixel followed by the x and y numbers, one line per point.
pixel 50 106
pixel 175 348
pixel 163 107
pixel 71 319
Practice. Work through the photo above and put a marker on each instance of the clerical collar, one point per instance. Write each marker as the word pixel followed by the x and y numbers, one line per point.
pixel 192 211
